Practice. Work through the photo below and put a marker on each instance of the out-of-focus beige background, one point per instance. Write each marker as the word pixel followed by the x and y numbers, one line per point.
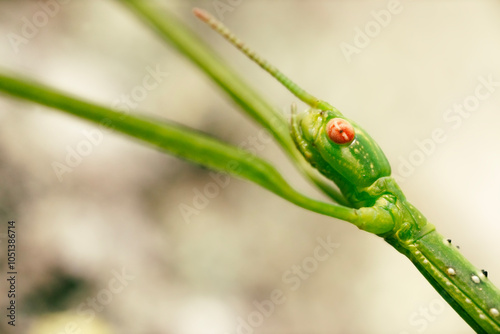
pixel 106 246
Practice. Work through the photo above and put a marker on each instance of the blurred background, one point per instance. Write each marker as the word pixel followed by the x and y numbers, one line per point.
pixel 125 239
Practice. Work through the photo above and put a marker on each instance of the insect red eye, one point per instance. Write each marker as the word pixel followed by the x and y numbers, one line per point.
pixel 340 131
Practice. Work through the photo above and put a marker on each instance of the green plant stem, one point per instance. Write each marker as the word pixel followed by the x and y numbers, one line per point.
pixel 175 139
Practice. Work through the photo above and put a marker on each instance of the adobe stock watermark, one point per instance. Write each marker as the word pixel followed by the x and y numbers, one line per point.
pixel 223 6
pixel 424 316
pixel 94 137
pixel 453 118
pixel 372 29
pixel 88 309
pixel 293 278
pixel 32 26
pixel 220 180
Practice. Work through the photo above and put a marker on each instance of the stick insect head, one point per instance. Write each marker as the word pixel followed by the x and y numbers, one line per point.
pixel 339 148
pixel 336 146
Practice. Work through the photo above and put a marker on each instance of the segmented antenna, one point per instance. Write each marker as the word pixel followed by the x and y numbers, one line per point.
pixel 285 81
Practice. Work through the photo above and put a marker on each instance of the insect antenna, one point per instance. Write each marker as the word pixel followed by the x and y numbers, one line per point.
pixel 284 80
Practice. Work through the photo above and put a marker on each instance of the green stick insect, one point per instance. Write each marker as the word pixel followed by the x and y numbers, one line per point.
pixel 343 152
pixel 336 146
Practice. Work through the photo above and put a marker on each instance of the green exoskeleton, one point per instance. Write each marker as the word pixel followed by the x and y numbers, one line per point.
pixel 343 152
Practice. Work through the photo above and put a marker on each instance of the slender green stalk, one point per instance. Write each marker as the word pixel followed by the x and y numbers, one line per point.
pixel 175 139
